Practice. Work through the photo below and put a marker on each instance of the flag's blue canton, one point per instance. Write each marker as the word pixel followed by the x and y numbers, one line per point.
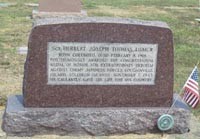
pixel 195 75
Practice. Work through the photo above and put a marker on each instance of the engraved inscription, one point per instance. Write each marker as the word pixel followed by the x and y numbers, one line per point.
pixel 101 63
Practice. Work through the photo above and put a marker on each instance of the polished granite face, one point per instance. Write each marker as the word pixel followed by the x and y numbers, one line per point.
pixel 38 93
pixel 60 6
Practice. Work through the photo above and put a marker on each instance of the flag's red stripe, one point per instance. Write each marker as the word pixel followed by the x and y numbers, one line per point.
pixel 190 98
pixel 197 95
pixel 188 94
pixel 194 82
pixel 192 90
pixel 196 103
pixel 193 85
pixel 185 94
pixel 193 100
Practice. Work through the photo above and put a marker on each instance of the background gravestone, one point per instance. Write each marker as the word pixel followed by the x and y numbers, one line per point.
pixel 99 62
pixel 69 6
pixel 59 8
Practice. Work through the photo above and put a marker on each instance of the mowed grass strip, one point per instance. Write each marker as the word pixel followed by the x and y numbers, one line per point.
pixel 15 25
pixel 126 3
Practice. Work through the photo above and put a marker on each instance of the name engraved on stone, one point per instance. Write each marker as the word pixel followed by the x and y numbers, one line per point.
pixel 101 63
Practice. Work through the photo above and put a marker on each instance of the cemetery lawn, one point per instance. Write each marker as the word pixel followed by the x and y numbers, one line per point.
pixel 16 22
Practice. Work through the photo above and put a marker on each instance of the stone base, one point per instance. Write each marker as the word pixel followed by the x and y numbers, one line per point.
pixel 21 121
pixel 37 14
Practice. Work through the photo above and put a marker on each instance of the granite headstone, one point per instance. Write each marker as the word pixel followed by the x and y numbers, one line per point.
pixel 63 6
pixel 99 62
pixel 97 76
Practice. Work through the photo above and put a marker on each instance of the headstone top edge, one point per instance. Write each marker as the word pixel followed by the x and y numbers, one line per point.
pixel 74 19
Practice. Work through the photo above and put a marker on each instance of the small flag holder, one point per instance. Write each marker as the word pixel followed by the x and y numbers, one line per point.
pixel 191 96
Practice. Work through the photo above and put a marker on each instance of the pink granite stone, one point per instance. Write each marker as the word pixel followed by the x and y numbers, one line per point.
pixel 60 6
pixel 37 93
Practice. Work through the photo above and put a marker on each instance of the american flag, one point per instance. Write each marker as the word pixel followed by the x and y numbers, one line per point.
pixel 191 89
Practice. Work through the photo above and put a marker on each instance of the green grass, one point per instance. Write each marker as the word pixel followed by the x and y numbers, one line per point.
pixel 15 26
pixel 14 30
pixel 127 3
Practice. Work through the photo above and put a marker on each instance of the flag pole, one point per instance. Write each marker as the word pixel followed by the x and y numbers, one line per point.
pixel 180 92
pixel 198 61
pixel 199 5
